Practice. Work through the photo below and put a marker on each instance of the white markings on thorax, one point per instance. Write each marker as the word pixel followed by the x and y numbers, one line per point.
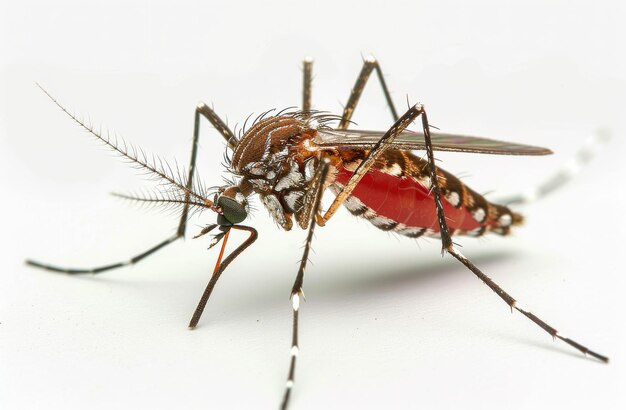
pixel 293 178
pixel 275 208
pixel 267 153
pixel 293 200
pixel 309 169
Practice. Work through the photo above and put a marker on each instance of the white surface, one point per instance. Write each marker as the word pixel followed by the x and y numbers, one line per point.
pixel 386 322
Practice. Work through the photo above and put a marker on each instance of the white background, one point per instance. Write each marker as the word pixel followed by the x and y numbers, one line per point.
pixel 386 323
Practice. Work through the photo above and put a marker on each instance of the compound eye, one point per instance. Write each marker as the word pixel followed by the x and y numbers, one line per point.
pixel 233 211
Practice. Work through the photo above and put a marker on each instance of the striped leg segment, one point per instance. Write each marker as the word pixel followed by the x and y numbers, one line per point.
pixel 448 246
pixel 514 305
pixel 296 291
pixel 201 110
pixel 369 65
pixel 99 269
pixel 446 241
pixel 205 111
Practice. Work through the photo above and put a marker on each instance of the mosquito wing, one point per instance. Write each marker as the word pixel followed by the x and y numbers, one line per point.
pixel 410 140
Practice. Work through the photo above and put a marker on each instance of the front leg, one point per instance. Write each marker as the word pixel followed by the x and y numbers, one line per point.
pixel 205 111
pixel 296 290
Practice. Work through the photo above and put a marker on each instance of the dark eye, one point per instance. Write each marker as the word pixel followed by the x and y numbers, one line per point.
pixel 233 211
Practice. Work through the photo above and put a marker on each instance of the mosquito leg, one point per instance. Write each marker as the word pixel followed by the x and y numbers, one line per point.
pixel 296 290
pixel 515 305
pixel 205 111
pixel 307 79
pixel 220 266
pixel 369 65
pixel 381 146
pixel 217 122
pixel 99 269
pixel 449 247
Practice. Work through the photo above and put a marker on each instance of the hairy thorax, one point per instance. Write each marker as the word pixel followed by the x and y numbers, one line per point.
pixel 278 156
pixel 274 160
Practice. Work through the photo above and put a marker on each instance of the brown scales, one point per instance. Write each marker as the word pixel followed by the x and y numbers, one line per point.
pixel 272 138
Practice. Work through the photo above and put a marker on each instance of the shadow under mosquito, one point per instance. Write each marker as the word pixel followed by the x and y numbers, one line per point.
pixel 382 278
pixel 344 281
pixel 329 288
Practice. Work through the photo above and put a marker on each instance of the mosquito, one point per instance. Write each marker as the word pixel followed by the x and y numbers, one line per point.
pixel 290 158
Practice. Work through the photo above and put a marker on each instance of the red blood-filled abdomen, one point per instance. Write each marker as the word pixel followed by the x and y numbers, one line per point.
pixel 404 200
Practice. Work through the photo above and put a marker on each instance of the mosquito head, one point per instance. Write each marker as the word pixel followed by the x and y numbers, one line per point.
pixel 231 205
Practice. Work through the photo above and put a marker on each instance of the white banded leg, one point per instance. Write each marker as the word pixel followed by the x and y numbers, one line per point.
pixel 296 290
pixel 515 305
pixel 132 155
pixel 231 141
pixel 104 268
pixel 448 246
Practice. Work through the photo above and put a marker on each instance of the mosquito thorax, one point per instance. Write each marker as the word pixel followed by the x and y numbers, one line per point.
pixel 273 159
